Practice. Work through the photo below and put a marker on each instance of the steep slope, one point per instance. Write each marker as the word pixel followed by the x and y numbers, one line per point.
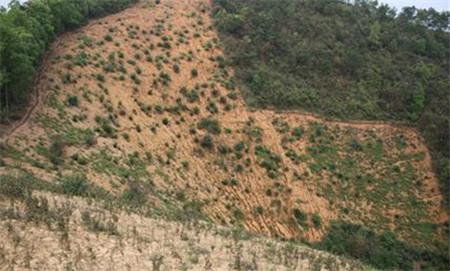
pixel 146 97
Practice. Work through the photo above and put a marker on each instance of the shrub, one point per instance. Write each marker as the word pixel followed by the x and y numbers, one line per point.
pixel 239 214
pixel 207 142
pixel 259 210
pixel 89 137
pixel 210 125
pixel 268 160
pixel 317 221
pixel 194 73
pixel 297 132
pixel 75 184
pixel 134 197
pixel 212 107
pixel 72 100
pixel 176 68
pixel 192 96
pixel 108 37
pixel 240 146
pixel 136 79
pixel 300 216
pixel 100 77
pixel 355 145
pixel 56 150
pixel 224 149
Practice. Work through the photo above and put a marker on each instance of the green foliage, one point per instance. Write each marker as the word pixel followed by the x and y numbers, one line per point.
pixel 108 37
pixel 353 61
pixel 207 142
pixel 27 31
pixel 383 251
pixel 176 68
pixel 268 160
pixel 75 184
pixel 238 214
pixel 56 150
pixel 191 95
pixel 297 132
pixel 317 221
pixel 259 210
pixel 300 216
pixel 134 196
pixel 14 188
pixel 72 100
pixel 210 125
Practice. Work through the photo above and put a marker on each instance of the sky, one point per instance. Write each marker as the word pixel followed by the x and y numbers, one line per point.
pixel 439 5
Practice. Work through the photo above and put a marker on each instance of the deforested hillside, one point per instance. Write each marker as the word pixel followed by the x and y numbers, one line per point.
pixel 141 111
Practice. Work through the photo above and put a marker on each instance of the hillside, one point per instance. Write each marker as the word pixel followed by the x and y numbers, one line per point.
pixel 362 61
pixel 142 107
pixel 47 231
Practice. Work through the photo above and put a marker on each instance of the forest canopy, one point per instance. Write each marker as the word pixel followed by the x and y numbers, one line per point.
pixel 352 61
pixel 26 30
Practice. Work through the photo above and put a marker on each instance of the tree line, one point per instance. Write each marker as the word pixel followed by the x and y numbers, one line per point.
pixel 26 31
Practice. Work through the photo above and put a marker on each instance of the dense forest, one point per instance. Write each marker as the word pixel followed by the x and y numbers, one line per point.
pixel 352 61
pixel 26 31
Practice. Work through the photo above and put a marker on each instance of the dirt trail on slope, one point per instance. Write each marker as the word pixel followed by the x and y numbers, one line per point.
pixel 325 173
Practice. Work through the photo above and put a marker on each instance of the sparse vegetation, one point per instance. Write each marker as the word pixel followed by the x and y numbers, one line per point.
pixel 147 133
pixel 210 125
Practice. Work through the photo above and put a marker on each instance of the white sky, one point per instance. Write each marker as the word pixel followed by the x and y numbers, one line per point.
pixel 439 5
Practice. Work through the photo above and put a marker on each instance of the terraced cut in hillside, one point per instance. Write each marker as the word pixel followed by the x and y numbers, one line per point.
pixel 145 96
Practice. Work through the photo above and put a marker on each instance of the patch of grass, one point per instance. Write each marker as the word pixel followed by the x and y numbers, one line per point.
pixel 75 184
